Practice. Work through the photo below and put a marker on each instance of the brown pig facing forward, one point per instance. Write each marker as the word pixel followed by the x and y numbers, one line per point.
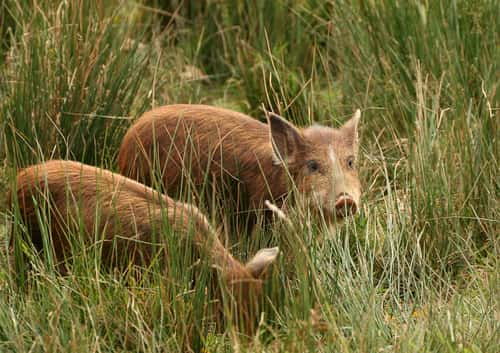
pixel 185 142
pixel 127 218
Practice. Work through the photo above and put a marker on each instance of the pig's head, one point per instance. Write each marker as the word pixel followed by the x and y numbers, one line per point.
pixel 322 162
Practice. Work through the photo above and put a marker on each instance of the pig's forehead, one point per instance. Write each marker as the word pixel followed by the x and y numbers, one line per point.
pixel 322 136
pixel 328 143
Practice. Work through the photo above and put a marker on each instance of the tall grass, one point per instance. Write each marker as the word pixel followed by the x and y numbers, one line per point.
pixel 72 75
pixel 417 270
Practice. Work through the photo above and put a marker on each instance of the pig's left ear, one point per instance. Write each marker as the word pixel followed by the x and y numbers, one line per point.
pixel 350 128
pixel 286 139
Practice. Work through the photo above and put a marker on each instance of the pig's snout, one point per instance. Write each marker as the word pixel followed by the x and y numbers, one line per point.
pixel 345 206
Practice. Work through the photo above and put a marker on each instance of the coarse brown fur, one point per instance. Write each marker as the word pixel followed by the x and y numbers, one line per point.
pixel 126 218
pixel 186 142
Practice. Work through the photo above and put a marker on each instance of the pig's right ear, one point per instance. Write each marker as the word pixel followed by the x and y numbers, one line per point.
pixel 351 128
pixel 286 139
pixel 261 261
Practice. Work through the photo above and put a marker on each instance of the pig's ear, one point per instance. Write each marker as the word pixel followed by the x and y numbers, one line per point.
pixel 261 261
pixel 286 139
pixel 350 128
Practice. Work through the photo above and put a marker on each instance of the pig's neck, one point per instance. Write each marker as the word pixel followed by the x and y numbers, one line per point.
pixel 271 182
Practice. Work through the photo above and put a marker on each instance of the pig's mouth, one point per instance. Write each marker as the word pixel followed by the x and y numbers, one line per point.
pixel 345 206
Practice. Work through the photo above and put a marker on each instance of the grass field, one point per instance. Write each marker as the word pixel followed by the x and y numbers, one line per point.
pixel 416 271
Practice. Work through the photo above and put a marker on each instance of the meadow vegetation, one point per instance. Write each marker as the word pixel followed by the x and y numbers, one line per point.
pixel 417 270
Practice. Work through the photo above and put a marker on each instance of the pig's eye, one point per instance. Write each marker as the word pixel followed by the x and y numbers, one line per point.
pixel 312 166
pixel 350 162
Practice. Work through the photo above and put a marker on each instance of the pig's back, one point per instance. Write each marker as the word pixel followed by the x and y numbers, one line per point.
pixel 188 141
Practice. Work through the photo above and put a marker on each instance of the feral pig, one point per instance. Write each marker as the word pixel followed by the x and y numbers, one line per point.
pixel 126 218
pixel 183 143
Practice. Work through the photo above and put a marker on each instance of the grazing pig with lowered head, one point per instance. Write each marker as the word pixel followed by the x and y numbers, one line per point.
pixel 127 220
pixel 185 142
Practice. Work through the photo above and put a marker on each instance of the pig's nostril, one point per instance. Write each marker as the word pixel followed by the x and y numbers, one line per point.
pixel 345 206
